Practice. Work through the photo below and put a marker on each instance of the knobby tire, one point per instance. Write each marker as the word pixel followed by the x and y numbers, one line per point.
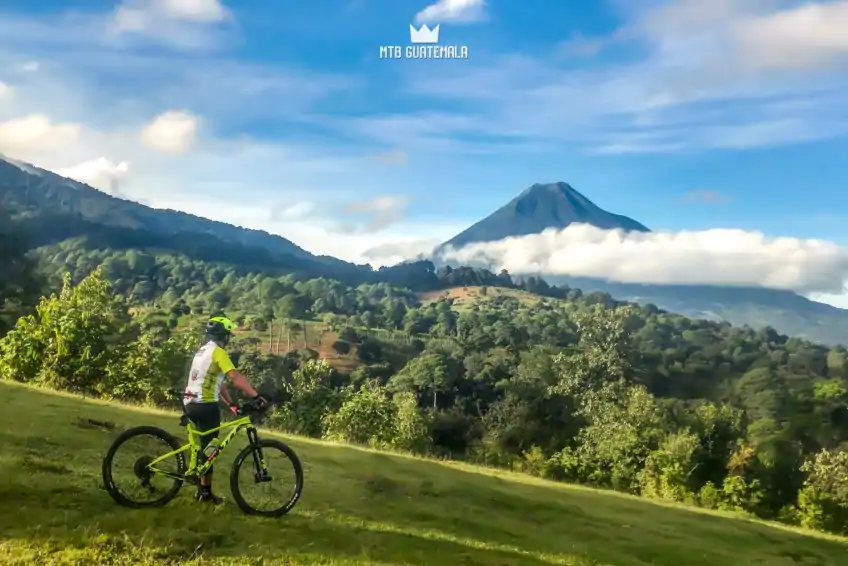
pixel 109 483
pixel 246 456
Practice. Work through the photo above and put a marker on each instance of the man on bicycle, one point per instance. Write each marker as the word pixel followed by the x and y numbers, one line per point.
pixel 206 386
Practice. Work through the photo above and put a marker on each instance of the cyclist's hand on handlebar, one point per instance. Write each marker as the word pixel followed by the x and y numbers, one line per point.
pixel 260 402
pixel 234 408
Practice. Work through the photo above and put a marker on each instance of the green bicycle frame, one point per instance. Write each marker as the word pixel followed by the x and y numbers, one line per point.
pixel 193 447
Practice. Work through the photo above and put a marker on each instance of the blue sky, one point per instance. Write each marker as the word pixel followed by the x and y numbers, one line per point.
pixel 683 114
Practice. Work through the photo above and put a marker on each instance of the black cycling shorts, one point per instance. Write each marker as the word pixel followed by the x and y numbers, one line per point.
pixel 204 416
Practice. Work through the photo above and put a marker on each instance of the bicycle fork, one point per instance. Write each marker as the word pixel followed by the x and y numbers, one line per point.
pixel 260 468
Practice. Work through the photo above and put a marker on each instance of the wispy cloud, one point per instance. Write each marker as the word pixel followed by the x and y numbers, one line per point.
pixel 454 11
pixel 393 157
pixel 381 212
pixel 192 24
pixel 704 197
pixel 6 92
pixel 760 35
pixel 196 25
pixel 292 212
pixel 141 15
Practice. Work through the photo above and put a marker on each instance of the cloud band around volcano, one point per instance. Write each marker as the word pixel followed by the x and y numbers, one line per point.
pixel 728 257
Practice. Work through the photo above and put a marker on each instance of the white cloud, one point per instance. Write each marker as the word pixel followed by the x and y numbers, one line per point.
pixel 297 211
pixel 384 210
pixel 142 15
pixel 811 35
pixel 729 38
pixel 99 173
pixel 194 25
pixel 194 10
pixel 710 257
pixel 30 66
pixel 393 157
pixel 173 132
pixel 6 92
pixel 392 253
pixel 838 301
pixel 35 132
pixel 379 204
pixel 457 11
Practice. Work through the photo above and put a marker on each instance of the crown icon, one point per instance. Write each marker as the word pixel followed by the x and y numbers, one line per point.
pixel 424 35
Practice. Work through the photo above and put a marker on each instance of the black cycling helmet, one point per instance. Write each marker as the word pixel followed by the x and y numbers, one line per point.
pixel 220 328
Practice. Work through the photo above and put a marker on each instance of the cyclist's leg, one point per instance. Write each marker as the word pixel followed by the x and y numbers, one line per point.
pixel 205 416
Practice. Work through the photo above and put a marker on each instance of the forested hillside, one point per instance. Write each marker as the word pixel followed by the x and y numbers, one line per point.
pixel 44 198
pixel 548 381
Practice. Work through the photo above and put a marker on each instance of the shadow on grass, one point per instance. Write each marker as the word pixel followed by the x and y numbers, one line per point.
pixel 183 531
pixel 71 516
pixel 559 519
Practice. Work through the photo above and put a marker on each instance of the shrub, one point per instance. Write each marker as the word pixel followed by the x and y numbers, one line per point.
pixel 709 496
pixel 823 501
pixel 668 470
pixel 412 429
pixel 366 417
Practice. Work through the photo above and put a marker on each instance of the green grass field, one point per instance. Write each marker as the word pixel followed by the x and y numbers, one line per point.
pixel 358 507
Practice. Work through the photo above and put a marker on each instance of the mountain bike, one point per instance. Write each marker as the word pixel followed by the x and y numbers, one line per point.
pixel 152 465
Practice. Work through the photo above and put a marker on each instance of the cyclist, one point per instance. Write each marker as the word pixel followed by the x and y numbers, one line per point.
pixel 210 367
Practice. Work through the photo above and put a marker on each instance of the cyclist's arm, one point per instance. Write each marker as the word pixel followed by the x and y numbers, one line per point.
pixel 225 394
pixel 235 377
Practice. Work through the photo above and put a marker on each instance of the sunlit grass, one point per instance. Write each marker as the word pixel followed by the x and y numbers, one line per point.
pixel 359 507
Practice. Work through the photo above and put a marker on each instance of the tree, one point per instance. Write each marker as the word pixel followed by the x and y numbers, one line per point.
pixel 425 375
pixel 823 502
pixel 311 397
pixel 73 339
pixel 19 285
pixel 366 417
pixel 341 347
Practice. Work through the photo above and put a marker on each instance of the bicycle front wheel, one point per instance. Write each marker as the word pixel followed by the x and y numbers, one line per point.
pixel 266 478
pixel 126 472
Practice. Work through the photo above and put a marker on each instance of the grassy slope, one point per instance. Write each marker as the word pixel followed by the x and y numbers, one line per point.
pixel 359 507
pixel 464 297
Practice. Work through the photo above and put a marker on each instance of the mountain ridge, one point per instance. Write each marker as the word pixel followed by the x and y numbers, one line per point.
pixel 61 194
pixel 537 208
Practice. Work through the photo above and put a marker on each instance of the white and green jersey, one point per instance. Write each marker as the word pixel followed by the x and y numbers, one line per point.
pixel 208 370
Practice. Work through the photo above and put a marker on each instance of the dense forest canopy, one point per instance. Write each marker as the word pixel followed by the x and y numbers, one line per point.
pixel 520 374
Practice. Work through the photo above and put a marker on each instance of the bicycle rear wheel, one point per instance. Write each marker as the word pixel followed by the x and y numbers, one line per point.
pixel 278 491
pixel 126 475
